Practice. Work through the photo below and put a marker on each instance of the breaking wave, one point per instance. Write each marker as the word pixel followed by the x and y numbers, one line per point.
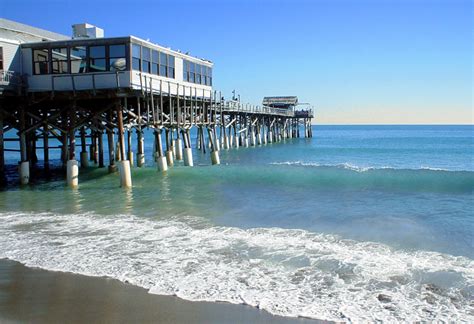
pixel 286 272
pixel 349 166
pixel 351 176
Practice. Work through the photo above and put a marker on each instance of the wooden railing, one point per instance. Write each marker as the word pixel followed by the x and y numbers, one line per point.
pixel 8 78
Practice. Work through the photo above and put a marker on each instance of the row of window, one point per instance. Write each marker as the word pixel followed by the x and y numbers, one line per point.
pixel 196 73
pixel 80 59
pixel 1 58
pixel 102 58
pixel 152 61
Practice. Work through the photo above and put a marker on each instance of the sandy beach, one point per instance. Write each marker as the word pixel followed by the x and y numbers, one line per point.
pixel 40 296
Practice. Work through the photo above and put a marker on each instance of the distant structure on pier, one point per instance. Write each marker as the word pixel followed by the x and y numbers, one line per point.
pixel 288 102
pixel 53 86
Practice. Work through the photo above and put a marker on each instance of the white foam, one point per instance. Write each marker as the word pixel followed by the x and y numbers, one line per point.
pixel 347 166
pixel 353 167
pixel 286 272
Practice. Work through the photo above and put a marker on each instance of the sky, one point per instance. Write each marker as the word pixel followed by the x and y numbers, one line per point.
pixel 356 62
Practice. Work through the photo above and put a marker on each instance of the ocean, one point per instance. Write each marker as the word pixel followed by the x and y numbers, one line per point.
pixel 358 223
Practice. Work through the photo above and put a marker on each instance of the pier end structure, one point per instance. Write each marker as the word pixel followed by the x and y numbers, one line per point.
pixel 57 87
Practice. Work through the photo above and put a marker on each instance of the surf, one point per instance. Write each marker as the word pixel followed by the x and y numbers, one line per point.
pixel 290 272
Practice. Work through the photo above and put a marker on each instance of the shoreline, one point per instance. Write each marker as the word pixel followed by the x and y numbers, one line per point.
pixel 43 296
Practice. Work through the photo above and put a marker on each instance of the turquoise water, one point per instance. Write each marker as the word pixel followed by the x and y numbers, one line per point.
pixel 359 222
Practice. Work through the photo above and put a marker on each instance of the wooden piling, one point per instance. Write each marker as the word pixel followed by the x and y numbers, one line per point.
pixel 72 137
pixel 100 140
pixel 120 132
pixel 64 148
pixel 110 144
pixel 23 148
pixel 46 146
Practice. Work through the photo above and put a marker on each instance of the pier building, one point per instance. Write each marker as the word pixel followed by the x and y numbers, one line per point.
pixel 83 88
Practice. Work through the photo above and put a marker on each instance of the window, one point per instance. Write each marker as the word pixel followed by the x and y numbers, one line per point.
pixel 155 62
pixel 146 59
pixel 192 74
pixel 78 59
pixel 170 66
pixel 163 64
pixel 196 73
pixel 136 61
pixel 117 58
pixel 97 59
pixel 1 58
pixel 59 60
pixel 41 61
pixel 204 75
pixel 185 70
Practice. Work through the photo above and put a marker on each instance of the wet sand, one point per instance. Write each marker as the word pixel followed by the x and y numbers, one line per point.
pixel 40 296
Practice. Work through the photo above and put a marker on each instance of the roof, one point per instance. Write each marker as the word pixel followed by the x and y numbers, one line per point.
pixel 24 33
pixel 282 101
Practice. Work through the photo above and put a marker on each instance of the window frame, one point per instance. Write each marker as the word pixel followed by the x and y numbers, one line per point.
pixel 84 59
pixel 68 69
pixel 145 62
pixel 133 58
pixel 48 60
pixel 90 58
pixel 116 57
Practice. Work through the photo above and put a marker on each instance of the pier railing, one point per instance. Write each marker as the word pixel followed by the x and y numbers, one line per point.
pixel 10 81
pixel 238 107
pixel 9 78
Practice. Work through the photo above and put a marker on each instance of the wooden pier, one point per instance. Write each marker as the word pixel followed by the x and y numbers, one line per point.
pixel 169 94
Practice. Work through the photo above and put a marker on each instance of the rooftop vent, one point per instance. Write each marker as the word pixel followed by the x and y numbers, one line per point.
pixel 86 31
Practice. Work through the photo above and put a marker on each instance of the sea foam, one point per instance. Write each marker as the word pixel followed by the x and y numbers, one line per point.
pixel 286 272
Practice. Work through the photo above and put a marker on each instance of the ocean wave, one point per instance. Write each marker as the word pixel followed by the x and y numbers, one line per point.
pixel 349 176
pixel 286 272
pixel 353 167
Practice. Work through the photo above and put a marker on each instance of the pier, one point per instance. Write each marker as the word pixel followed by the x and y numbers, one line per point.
pixel 89 92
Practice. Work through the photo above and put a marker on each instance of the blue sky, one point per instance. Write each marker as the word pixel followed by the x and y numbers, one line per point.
pixel 369 62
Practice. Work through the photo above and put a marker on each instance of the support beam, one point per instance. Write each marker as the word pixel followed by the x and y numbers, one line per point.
pixel 84 155
pixel 110 142
pixel 24 164
pixel 160 158
pixel 46 146
pixel 64 154
pixel 188 153
pixel 140 139
pixel 124 164
pixel 215 160
pixel 129 147
pixel 72 164
pixel 169 150
pixel 100 142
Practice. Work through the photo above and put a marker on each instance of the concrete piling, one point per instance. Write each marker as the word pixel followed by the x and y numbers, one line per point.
pixel 24 172
pixel 72 174
pixel 124 164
